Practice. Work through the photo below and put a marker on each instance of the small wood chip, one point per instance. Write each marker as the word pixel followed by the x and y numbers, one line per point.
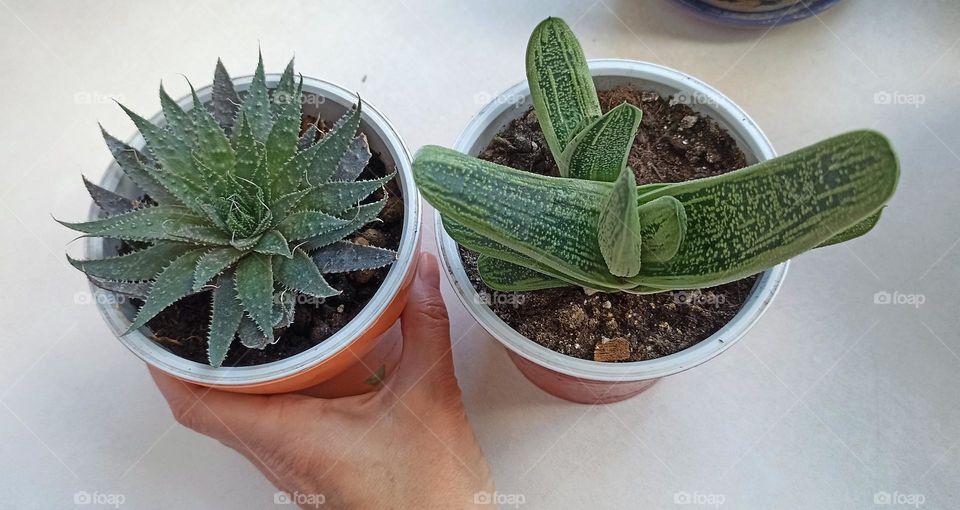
pixel 615 349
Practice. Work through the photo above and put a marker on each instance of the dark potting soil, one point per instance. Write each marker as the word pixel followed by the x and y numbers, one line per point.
pixel 674 144
pixel 182 327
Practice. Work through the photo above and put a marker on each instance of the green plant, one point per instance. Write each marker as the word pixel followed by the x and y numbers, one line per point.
pixel 595 227
pixel 241 205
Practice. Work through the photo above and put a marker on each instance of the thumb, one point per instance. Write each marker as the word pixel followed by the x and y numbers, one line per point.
pixel 426 331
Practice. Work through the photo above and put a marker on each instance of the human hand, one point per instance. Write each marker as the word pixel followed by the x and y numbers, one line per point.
pixel 407 445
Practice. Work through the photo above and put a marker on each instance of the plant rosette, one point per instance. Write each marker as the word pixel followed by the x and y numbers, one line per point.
pixel 587 381
pixel 354 359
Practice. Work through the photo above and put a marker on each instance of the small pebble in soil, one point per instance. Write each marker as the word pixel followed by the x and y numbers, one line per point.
pixel 374 237
pixel 393 211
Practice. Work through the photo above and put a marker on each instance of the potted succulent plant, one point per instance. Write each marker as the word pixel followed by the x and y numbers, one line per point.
pixel 586 276
pixel 260 236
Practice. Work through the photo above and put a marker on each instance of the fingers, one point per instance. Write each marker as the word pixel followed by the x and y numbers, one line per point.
pixel 231 418
pixel 426 331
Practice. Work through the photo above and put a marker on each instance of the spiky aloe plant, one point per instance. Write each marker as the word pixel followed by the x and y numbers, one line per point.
pixel 594 227
pixel 245 207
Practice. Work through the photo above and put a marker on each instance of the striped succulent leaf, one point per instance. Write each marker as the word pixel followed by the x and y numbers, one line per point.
pixel 700 233
pixel 618 230
pixel 240 204
pixel 600 151
pixel 563 93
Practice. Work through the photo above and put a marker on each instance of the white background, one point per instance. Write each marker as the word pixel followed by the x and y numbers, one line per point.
pixel 830 399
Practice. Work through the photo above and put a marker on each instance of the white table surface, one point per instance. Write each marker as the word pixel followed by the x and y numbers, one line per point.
pixel 828 401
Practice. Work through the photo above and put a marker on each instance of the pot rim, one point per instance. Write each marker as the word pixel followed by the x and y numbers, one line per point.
pixel 151 352
pixel 711 102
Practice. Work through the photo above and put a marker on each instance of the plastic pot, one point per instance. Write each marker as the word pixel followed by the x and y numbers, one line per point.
pixel 588 381
pixel 342 364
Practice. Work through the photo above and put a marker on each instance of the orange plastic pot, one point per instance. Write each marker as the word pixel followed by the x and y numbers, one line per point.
pixel 353 360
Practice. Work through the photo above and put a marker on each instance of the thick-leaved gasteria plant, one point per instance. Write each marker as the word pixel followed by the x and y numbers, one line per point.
pixel 241 206
pixel 594 227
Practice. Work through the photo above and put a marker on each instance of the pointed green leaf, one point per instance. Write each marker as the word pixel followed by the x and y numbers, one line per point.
pixel 336 196
pixel 283 205
pixel 171 223
pixel 212 263
pixel 144 264
pixel 137 290
pixel 356 218
pixel 210 144
pixel 273 243
pixel 225 102
pixel 306 224
pixel 172 152
pixel 618 230
pixel 325 155
pixel 354 160
pixel 600 151
pixel 282 145
pixel 172 284
pixel 256 104
pixel 177 174
pixel 251 156
pixel 108 201
pixel 175 119
pixel 139 168
pixel 285 93
pixel 343 257
pixel 202 234
pixel 300 273
pixel 224 321
pixel 254 278
pixel 506 276
pixel 563 93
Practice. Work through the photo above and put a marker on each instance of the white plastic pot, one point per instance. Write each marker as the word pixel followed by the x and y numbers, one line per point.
pixel 589 381
pixel 340 365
